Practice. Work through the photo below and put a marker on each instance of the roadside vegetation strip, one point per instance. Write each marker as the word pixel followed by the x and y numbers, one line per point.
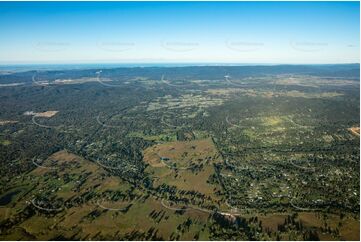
pixel 98 78
pixel 240 168
pixel 175 85
pixel 164 175
pixel 111 209
pixel 187 207
pixel 42 125
pixel 303 167
pixel 33 79
pixel 225 175
pixel 230 206
pixel 234 125
pixel 234 210
pixel 297 124
pixel 303 209
pixel 227 78
pixel 175 168
pixel 166 123
pixel 171 208
pixel 201 209
pixel 107 125
pixel 46 209
pixel 108 167
pixel 228 213
pixel 41 166
pixel 38 83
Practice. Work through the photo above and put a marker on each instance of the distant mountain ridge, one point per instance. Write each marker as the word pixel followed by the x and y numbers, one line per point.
pixel 350 71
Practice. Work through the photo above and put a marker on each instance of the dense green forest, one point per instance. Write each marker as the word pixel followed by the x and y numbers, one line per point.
pixel 181 153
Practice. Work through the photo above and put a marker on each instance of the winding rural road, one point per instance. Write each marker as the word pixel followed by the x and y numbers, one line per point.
pixel 174 85
pixel 103 83
pixel 111 209
pixel 46 209
pixel 41 166
pixel 303 167
pixel 234 125
pixel 42 125
pixel 226 77
pixel 227 213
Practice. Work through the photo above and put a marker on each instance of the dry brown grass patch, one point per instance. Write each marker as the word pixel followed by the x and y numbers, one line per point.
pixel 47 114
pixel 181 152
pixel 355 131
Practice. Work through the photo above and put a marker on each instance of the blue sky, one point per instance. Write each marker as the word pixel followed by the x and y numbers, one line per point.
pixel 177 32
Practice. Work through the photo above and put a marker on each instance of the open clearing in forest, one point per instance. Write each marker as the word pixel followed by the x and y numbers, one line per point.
pixel 47 114
pixel 181 153
pixel 355 131
pixel 197 155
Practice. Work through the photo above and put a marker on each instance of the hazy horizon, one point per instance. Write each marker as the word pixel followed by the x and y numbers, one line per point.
pixel 181 32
